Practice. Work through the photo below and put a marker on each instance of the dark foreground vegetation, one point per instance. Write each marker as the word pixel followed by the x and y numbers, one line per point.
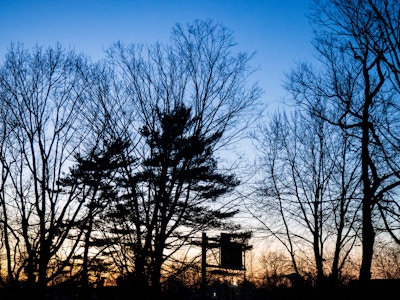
pixel 375 289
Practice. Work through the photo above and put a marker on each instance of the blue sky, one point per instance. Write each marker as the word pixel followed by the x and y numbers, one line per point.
pixel 277 30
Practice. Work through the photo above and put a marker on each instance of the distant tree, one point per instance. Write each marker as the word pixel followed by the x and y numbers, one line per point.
pixel 386 263
pixel 307 196
pixel 188 99
pixel 275 265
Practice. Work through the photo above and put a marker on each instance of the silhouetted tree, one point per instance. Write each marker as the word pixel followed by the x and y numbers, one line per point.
pixel 189 99
pixel 171 194
pixel 357 46
pixel 5 220
pixel 94 180
pixel 307 193
pixel 41 96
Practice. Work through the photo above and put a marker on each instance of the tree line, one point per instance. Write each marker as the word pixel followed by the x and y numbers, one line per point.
pixel 113 168
pixel 109 168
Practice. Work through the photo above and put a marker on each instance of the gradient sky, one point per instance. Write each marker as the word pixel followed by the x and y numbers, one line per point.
pixel 277 30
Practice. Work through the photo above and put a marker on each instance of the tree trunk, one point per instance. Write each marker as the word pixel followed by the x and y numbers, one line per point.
pixel 368 234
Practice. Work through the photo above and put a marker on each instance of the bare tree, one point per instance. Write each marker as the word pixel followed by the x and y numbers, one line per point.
pixel 357 48
pixel 386 262
pixel 93 178
pixel 307 193
pixel 189 99
pixel 6 224
pixel 42 93
pixel 384 35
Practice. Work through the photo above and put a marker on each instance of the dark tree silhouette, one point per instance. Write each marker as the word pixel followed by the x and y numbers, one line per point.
pixel 191 101
pixel 170 199
pixel 145 133
pixel 358 80
pixel 41 96
pixel 307 193
pixel 94 181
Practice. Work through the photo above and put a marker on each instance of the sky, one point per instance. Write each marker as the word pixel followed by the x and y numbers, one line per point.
pixel 277 30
